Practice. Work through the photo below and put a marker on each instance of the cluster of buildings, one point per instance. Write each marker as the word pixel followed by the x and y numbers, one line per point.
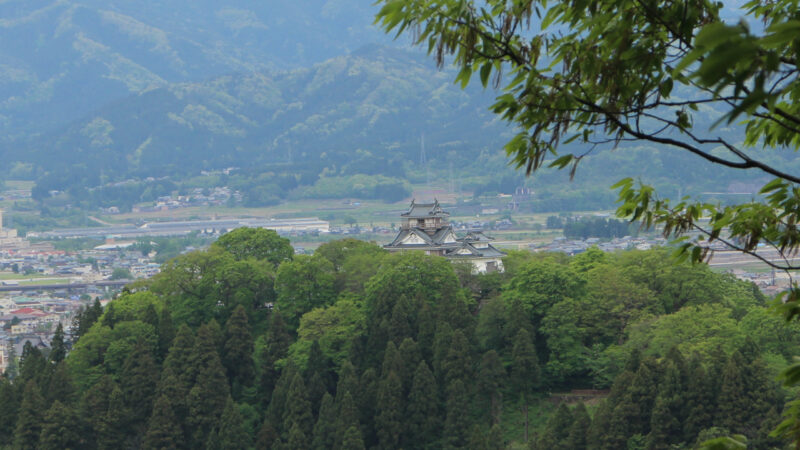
pixel 80 266
pixel 216 196
pixel 575 246
pixel 33 319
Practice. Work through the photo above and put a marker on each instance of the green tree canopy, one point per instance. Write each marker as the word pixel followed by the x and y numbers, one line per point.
pixel 256 243
pixel 303 284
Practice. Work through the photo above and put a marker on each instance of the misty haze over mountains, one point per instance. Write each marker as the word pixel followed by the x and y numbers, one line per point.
pixel 63 59
pixel 96 92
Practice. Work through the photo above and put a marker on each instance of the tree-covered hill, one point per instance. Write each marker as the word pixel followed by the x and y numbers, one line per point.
pixel 62 59
pixel 244 345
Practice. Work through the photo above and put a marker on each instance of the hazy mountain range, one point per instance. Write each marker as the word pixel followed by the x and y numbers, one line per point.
pixel 61 59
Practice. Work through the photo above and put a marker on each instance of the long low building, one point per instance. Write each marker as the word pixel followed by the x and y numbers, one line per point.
pixel 311 224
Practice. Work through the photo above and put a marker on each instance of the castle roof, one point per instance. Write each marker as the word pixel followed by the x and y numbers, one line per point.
pixel 467 250
pixel 423 210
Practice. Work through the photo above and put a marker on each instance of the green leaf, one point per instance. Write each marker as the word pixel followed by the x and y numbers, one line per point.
pixel 486 70
pixel 562 161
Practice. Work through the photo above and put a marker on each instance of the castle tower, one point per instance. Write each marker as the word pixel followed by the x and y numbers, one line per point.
pixel 425 227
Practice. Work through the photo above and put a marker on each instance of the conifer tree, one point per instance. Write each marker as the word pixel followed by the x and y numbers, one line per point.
pixel 441 347
pixel 699 401
pixel 456 422
pixel 457 365
pixel 733 398
pixel 764 438
pixel 326 427
pixel 763 395
pixel 96 312
pixel 633 361
pixel 664 427
pixel 297 417
pixel 170 388
pixel 60 385
pixel 138 382
pixel 321 366
pixel 409 356
pixel 348 418
pixel 669 409
pixel 495 440
pixel 391 360
pixel 352 439
pixel 266 435
pixel 578 430
pixel 166 332
pixel 217 333
pixel 230 432
pixel 518 319
pixel 9 409
pixel 366 401
pixel 212 441
pixel 348 382
pixel 29 422
pixel 632 413
pixel 715 369
pixel 557 430
pixel 110 317
pixel 598 431
pixel 358 349
pixel 179 360
pixel 298 438
pixel 389 421
pixel 113 428
pixel 399 327
pixel 478 440
pixel 277 404
pixel 151 316
pixel 426 324
pixel 57 349
pixel 95 403
pixel 276 348
pixel 422 413
pixel 207 397
pixel 164 430
pixel 32 366
pixel 85 319
pixel 491 376
pixel 238 349
pixel 60 429
pixel 316 390
pixel 524 372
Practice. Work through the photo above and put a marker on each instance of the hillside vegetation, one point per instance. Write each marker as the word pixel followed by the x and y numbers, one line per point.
pixel 364 349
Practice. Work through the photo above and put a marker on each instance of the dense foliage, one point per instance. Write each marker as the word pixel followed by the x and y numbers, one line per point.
pixel 356 348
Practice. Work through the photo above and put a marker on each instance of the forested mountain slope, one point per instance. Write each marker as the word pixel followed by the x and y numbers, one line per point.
pixel 377 101
pixel 61 59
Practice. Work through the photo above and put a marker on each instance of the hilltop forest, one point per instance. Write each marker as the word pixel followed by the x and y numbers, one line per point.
pixel 246 345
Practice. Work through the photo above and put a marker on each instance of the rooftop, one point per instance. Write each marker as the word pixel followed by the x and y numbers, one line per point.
pixel 423 210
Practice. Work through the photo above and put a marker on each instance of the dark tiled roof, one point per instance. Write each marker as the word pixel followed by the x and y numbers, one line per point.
pixel 477 236
pixel 416 231
pixel 488 252
pixel 423 210
pixel 440 234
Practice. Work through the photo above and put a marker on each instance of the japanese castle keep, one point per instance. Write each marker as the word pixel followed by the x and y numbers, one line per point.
pixel 425 227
